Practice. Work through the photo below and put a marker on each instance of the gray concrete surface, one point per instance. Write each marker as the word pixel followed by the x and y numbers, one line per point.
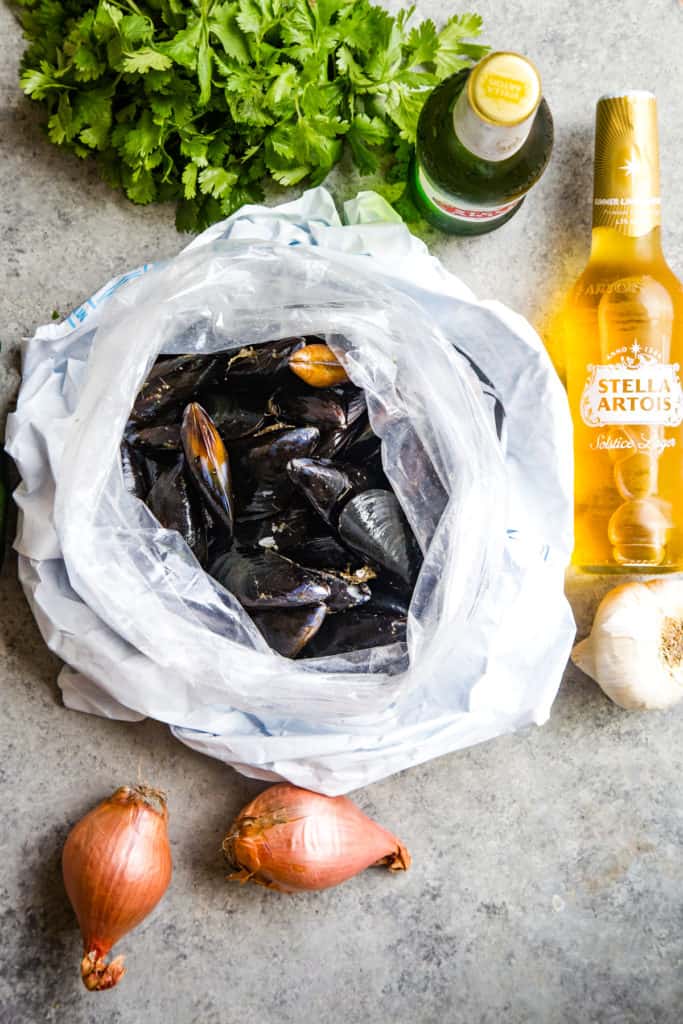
pixel 547 878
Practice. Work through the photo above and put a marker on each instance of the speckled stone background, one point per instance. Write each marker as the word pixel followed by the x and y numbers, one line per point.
pixel 547 885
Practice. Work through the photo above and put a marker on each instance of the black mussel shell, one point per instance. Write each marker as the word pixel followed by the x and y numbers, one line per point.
pixel 332 442
pixel 156 438
pixel 267 580
pixel 373 524
pixel 325 553
pixel 326 484
pixel 236 414
pixel 280 532
pixel 135 477
pixel 171 501
pixel 208 464
pixel 357 630
pixel 265 460
pixel 260 364
pixel 325 408
pixel 389 598
pixel 288 630
pixel 356 404
pixel 170 384
pixel 262 501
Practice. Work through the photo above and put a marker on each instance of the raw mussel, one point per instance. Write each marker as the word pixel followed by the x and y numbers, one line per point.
pixel 267 580
pixel 237 414
pixel 259 366
pixel 326 484
pixel 265 459
pixel 318 366
pixel 208 463
pixel 170 384
pixel 320 408
pixel 288 630
pixel 373 524
pixel 357 630
pixel 172 502
pixel 135 477
pixel 163 437
pixel 324 552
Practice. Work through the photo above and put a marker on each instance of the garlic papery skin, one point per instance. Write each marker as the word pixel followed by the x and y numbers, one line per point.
pixel 635 648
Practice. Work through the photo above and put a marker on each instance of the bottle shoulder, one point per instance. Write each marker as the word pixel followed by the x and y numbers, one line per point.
pixel 459 172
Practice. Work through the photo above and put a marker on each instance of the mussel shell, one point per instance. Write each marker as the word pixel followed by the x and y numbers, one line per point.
pixel 208 464
pixel 265 460
pixel 389 598
pixel 170 500
pixel 267 580
pixel 164 437
pixel 170 384
pixel 373 524
pixel 319 408
pixel 317 365
pixel 288 630
pixel 325 553
pixel 326 484
pixel 262 501
pixel 283 531
pixel 135 477
pixel 236 414
pixel 356 404
pixel 357 630
pixel 260 364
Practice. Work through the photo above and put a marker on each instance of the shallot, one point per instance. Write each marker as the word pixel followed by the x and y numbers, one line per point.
pixel 291 839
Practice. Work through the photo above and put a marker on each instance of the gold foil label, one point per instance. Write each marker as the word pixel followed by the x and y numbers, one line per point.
pixel 626 191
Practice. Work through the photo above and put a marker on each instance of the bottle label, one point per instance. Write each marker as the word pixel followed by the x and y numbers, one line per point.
pixel 488 141
pixel 637 389
pixel 626 194
pixel 458 209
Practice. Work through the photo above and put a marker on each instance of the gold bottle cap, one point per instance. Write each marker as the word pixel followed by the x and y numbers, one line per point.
pixel 626 183
pixel 504 88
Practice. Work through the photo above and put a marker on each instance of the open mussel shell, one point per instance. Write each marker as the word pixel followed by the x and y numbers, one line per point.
pixel 171 501
pixel 265 459
pixel 326 484
pixel 320 408
pixel 236 414
pixel 318 366
pixel 260 365
pixel 267 580
pixel 170 384
pixel 373 524
pixel 288 630
pixel 357 630
pixel 208 464
pixel 165 438
pixel 135 477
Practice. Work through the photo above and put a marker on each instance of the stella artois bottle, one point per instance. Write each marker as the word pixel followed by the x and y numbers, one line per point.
pixel 623 346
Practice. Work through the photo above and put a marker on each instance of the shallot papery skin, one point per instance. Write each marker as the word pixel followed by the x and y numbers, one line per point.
pixel 293 840
pixel 116 864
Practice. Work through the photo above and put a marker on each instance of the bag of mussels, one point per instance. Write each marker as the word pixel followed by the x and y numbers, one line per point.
pixel 297 494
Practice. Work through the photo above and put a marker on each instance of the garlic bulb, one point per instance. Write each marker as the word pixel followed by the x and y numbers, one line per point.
pixel 635 649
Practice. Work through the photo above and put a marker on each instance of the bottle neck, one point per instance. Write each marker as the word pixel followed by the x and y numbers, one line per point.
pixel 611 246
pixel 626 201
pixel 485 139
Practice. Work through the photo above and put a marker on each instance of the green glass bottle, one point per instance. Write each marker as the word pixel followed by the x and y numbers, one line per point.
pixel 484 139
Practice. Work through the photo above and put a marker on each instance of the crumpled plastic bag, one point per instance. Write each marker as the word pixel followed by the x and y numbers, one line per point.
pixel 475 441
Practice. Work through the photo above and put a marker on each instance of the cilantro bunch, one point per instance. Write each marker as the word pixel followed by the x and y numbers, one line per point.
pixel 202 101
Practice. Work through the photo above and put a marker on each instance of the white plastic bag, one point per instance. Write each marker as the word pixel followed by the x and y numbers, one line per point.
pixel 149 633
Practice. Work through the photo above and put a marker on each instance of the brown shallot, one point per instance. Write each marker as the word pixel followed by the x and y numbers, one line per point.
pixel 117 866
pixel 292 839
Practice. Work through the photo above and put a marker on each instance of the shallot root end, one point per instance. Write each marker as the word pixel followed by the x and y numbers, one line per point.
pixel 97 974
pixel 398 860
